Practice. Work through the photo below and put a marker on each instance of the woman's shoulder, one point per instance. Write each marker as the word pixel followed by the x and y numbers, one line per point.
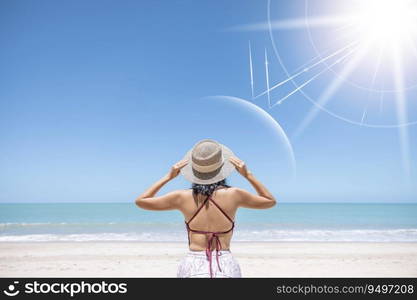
pixel 234 190
pixel 184 193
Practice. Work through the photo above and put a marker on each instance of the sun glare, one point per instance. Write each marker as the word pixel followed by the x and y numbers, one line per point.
pixel 371 45
pixel 386 21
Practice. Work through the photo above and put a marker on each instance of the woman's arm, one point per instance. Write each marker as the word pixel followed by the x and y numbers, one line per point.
pixel 264 199
pixel 168 201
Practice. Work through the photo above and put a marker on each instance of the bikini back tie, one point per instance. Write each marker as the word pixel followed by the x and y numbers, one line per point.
pixel 212 235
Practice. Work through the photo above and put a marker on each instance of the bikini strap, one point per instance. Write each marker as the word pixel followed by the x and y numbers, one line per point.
pixel 198 210
pixel 224 213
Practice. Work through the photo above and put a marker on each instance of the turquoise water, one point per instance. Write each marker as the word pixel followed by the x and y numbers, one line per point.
pixel 284 222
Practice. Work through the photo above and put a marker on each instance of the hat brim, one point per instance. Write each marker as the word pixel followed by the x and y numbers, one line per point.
pixel 208 178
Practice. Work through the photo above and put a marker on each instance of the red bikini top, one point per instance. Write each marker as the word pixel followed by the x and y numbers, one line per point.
pixel 213 235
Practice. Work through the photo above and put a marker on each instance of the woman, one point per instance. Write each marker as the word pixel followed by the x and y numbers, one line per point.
pixel 209 229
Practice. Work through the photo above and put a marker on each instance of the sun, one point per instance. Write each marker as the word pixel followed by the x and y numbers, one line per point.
pixel 385 21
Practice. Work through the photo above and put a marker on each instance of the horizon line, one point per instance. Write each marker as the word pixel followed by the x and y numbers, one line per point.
pixel 282 202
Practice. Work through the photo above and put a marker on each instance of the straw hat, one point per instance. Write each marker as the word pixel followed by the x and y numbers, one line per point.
pixel 208 162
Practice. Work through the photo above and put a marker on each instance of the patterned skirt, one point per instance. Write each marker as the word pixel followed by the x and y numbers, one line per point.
pixel 195 264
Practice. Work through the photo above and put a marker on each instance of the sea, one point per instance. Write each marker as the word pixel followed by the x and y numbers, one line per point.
pixel 286 222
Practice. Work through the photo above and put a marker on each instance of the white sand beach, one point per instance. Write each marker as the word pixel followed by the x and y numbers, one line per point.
pixel 156 259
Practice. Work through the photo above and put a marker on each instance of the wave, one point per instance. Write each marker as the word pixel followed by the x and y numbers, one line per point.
pixel 357 235
pixel 23 224
pixel 34 224
pixel 88 237
pixel 351 235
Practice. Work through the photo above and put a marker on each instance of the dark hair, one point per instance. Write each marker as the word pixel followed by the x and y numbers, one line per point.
pixel 208 189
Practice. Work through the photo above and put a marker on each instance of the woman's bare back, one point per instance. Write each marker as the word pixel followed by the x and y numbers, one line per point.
pixel 210 218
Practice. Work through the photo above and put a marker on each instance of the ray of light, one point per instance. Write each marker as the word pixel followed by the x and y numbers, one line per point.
pixel 401 106
pixel 326 51
pixel 251 69
pixel 313 78
pixel 306 69
pixel 342 28
pixel 267 78
pixel 380 20
pixel 364 114
pixel 310 61
pixel 295 23
pixel 331 89
pixel 378 64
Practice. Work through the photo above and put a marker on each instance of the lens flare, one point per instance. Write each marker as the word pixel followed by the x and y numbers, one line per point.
pixel 385 21
pixel 363 68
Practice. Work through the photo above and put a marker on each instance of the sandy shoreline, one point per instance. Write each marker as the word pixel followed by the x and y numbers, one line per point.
pixel 256 259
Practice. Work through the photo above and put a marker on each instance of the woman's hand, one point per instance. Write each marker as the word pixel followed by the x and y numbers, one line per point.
pixel 175 169
pixel 169 201
pixel 240 166
pixel 264 199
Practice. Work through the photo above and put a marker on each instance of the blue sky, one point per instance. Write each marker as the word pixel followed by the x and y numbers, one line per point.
pixel 99 98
